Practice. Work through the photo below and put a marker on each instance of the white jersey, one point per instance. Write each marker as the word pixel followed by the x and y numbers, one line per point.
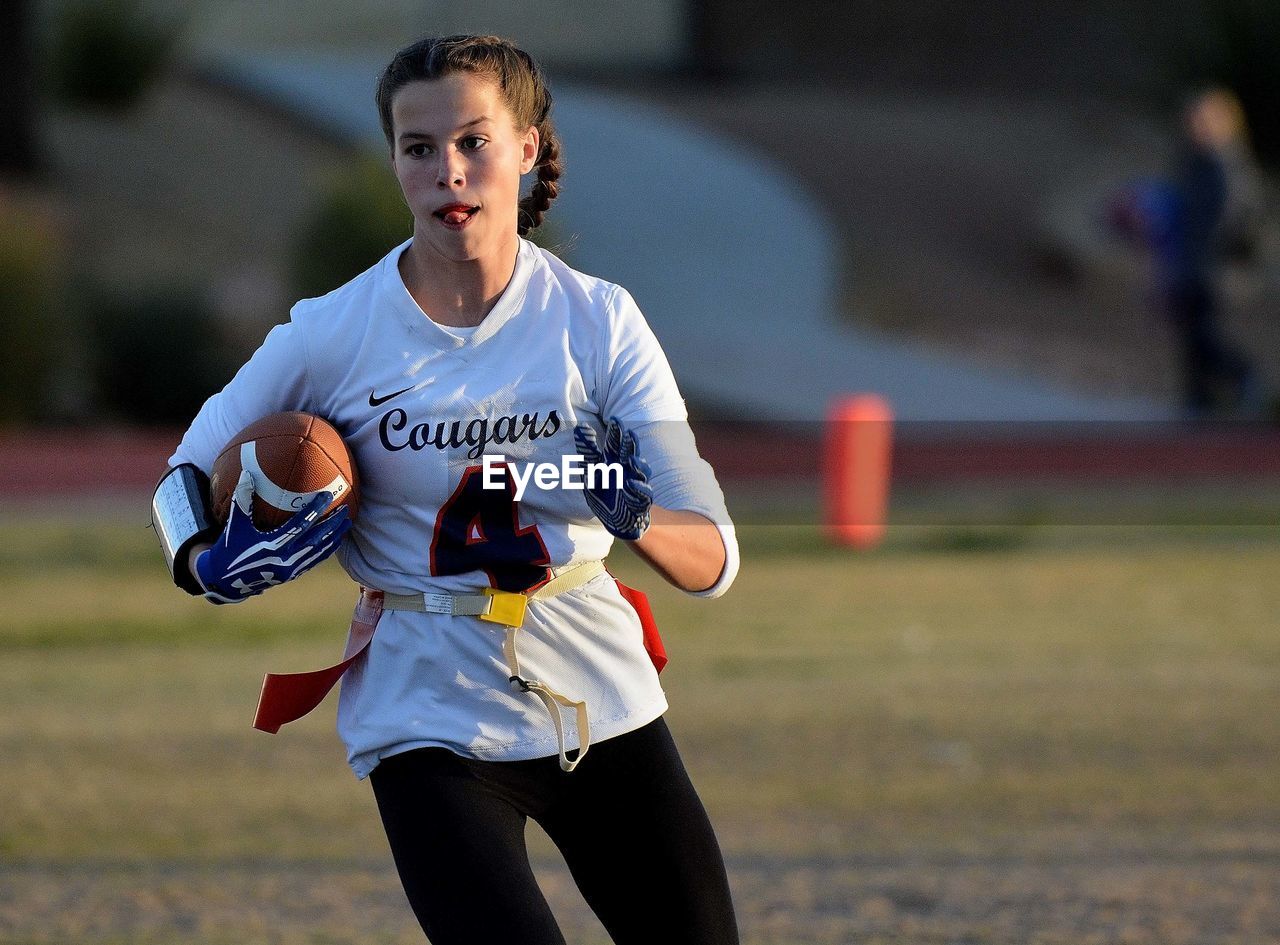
pixel 420 406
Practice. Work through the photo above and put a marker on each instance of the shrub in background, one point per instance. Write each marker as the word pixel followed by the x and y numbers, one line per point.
pixel 155 357
pixel 356 221
pixel 31 309
pixel 105 53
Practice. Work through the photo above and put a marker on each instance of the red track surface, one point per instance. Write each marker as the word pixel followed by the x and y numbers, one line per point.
pixel 104 462
pixel 82 462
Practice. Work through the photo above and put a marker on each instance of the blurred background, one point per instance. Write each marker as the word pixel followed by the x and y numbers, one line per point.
pixel 1042 708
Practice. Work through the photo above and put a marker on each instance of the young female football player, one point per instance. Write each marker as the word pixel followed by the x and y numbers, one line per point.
pixel 465 344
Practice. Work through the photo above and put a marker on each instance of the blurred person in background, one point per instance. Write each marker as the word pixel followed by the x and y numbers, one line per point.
pixel 1208 211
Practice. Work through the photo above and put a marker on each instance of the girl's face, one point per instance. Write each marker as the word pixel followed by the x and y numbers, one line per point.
pixel 459 158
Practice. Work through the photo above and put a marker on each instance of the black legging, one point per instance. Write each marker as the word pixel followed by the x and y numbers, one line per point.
pixel 456 828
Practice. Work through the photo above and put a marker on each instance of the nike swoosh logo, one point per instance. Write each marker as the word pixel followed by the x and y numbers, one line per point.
pixel 375 401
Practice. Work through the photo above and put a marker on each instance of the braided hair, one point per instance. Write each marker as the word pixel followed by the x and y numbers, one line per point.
pixel 523 89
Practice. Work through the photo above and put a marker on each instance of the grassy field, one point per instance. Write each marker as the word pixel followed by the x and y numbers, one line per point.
pixel 976 734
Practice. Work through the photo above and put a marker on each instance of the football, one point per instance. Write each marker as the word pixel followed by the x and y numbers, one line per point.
pixel 292 456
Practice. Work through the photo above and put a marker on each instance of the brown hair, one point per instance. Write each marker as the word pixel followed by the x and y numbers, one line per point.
pixel 523 90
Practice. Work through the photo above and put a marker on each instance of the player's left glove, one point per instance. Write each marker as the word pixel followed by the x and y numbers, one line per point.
pixel 244 561
pixel 624 511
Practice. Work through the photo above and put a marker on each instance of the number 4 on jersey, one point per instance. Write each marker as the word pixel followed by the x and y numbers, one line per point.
pixel 478 529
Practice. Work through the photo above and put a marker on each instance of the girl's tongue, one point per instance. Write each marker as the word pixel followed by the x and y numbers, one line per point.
pixel 456 216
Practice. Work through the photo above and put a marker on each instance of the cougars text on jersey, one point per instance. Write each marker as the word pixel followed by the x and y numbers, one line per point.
pixel 477 433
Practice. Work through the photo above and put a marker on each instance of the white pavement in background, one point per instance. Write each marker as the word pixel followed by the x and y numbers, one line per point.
pixel 734 265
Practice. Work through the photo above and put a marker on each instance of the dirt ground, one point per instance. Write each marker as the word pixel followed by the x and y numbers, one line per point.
pixel 1196 899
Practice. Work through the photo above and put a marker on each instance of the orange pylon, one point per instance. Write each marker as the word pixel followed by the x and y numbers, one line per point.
pixel 856 464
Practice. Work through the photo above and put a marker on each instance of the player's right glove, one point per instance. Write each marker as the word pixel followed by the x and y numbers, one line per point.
pixel 245 561
pixel 624 511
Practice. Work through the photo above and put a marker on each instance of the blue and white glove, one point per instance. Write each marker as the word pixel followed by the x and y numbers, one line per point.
pixel 624 511
pixel 245 561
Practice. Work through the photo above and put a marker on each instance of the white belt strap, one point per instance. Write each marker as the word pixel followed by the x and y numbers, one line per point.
pixel 507 609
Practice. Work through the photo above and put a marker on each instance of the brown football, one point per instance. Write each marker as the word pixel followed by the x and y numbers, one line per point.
pixel 291 456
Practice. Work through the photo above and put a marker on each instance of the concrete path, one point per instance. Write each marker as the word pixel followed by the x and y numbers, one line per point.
pixel 736 268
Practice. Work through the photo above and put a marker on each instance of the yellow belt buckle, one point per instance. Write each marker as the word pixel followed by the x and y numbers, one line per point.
pixel 507 607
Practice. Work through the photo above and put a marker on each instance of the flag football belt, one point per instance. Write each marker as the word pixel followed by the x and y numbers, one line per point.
pixel 287 697
pixel 508 609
